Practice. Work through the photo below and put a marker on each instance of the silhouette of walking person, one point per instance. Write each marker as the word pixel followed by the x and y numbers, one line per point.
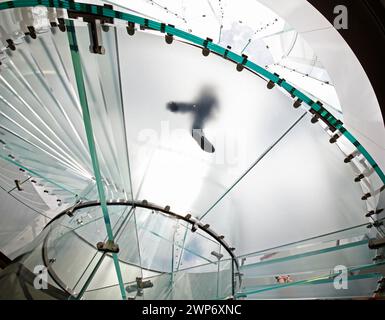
pixel 202 111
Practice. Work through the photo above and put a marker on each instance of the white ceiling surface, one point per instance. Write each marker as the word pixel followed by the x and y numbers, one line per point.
pixel 301 189
pixel 362 114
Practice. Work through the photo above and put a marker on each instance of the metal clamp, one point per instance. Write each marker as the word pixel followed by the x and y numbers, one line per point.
pixel 376 243
pixel 95 23
pixel 240 66
pixel 109 246
pixel 205 50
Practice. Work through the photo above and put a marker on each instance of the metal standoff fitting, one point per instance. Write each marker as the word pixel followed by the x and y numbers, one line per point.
pixel 105 28
pixel 297 103
pixel 138 287
pixel 31 32
pixel 218 255
pixel 373 212
pixel 270 85
pixel 315 118
pixel 96 45
pixel 375 224
pixel 130 28
pixel 359 177
pixel 240 66
pixel 205 50
pixel 366 196
pixel 71 210
pixel 334 138
pixel 378 258
pixel 226 52
pixel 376 243
pixel 349 158
pixel 370 213
pixel 108 246
pixel 18 185
pixel 380 286
pixel 169 37
pixel 11 44
pixel 143 284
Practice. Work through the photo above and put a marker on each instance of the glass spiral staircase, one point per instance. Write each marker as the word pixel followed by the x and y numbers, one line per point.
pixel 135 209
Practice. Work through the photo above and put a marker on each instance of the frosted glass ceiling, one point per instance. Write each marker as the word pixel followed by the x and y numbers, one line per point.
pixel 251 28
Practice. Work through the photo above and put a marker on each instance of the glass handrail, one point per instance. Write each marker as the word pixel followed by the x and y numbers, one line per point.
pixel 318 279
pixel 355 231
pixel 304 252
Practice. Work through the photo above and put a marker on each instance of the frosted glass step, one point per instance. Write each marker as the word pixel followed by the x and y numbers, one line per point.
pixel 348 252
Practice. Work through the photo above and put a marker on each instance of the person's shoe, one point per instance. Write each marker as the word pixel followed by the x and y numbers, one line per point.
pixel 172 106
pixel 202 141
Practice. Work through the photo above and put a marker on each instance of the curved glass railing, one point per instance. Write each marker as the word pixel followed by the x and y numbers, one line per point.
pixel 201 268
pixel 361 281
pixel 261 271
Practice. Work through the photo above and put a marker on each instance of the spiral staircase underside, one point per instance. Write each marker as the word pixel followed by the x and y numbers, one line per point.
pixel 288 191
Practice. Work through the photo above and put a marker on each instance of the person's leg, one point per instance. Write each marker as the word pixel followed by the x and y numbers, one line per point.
pixel 202 141
pixel 180 107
